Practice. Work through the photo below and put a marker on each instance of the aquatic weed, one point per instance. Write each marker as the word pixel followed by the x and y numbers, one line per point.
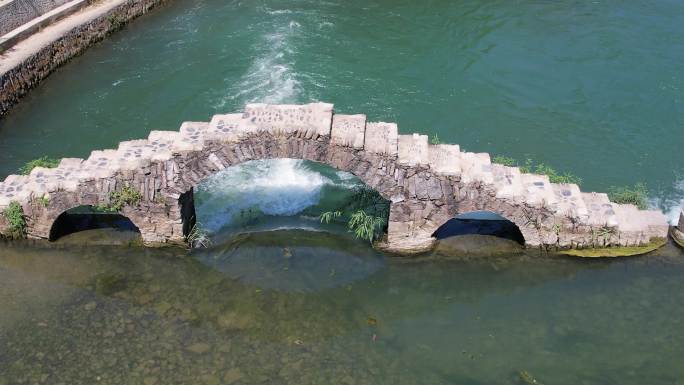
pixel 198 237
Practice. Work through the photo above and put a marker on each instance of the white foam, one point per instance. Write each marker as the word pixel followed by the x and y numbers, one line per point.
pixel 676 207
pixel 270 78
pixel 271 187
pixel 673 204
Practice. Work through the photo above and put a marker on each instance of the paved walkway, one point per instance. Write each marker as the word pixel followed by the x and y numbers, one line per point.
pixel 33 44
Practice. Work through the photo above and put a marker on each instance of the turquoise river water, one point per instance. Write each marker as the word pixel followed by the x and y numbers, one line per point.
pixel 592 88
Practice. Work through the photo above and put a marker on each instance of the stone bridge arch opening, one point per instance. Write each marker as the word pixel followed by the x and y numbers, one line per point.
pixel 274 193
pixel 486 223
pixel 86 217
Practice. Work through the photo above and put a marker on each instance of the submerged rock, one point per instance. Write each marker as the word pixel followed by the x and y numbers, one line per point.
pixel 199 348
pixel 232 376
pixel 476 245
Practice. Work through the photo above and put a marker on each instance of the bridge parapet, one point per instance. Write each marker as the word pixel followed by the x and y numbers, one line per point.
pixel 427 184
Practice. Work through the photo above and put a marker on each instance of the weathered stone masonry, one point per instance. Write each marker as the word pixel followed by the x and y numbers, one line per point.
pixel 426 184
pixel 18 81
pixel 14 13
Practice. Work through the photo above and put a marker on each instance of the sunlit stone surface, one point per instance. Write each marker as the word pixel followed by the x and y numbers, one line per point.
pixel 427 184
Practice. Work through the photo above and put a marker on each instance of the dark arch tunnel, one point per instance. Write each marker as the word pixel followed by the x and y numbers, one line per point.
pixel 480 223
pixel 84 218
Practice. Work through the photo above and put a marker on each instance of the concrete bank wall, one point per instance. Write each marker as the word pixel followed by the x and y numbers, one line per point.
pixel 18 81
pixel 14 13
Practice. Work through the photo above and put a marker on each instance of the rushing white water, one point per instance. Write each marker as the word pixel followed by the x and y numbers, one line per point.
pixel 670 202
pixel 270 78
pixel 276 187
pixel 676 205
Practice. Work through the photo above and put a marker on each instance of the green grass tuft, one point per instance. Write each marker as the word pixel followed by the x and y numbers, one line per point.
pixel 505 160
pixel 530 167
pixel 127 196
pixel 636 195
pixel 365 213
pixel 40 162
pixel 14 214
pixel 198 237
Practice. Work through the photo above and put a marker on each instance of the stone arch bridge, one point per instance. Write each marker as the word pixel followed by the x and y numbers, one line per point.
pixel 426 184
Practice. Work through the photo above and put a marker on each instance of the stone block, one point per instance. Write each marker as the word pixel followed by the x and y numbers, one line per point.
pixel 413 149
pixel 308 119
pixel 445 159
pixel 228 128
pixel 381 138
pixel 348 130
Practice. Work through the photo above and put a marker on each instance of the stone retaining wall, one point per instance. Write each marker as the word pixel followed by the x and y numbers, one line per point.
pixel 15 13
pixel 17 82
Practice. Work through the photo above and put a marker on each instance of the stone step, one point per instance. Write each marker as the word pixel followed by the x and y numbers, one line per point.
pixel 445 159
pixel 381 138
pixel 476 167
pixel 72 170
pixel 538 190
pixel 161 144
pixel 630 218
pixel 412 150
pixel 228 128
pixel 43 180
pixel 508 182
pixel 14 188
pixel 308 120
pixel 639 226
pixel 100 164
pixel 134 154
pixel 348 130
pixel 569 202
pixel 601 210
pixel 192 136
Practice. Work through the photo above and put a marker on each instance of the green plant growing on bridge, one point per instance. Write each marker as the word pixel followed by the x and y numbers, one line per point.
pixel 14 214
pixel 45 200
pixel 198 236
pixel 365 212
pixel 365 226
pixel 40 162
pixel 434 139
pixel 127 196
pixel 505 161
pixel 530 167
pixel 636 195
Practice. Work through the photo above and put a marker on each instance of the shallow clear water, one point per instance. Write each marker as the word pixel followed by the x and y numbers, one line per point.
pixel 593 88
pixel 299 308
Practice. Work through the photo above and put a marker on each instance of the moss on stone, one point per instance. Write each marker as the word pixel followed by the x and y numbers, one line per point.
pixel 677 236
pixel 618 251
